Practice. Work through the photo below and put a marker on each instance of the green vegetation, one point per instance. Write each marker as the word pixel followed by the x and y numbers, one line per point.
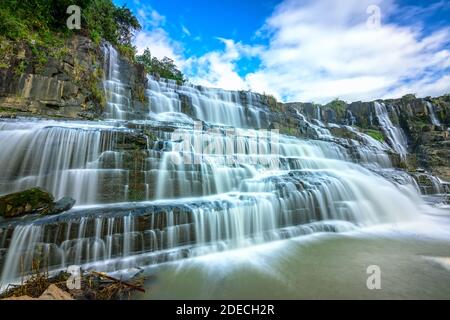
pixel 45 20
pixel 9 110
pixel 32 31
pixel 409 97
pixel 40 27
pixel 338 106
pixel 376 134
pixel 271 101
pixel 164 68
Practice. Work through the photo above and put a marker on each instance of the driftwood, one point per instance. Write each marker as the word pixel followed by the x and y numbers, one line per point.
pixel 103 275
pixel 94 286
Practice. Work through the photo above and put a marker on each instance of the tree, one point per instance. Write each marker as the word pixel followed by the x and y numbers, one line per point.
pixel 127 25
pixel 164 68
pixel 20 19
pixel 145 59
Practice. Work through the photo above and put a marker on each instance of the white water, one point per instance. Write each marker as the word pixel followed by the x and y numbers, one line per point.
pixel 118 94
pixel 434 120
pixel 61 157
pixel 394 135
pixel 215 106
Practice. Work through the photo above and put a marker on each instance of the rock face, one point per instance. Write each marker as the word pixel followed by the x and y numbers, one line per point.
pixel 35 200
pixel 67 84
pixel 424 121
pixel 25 202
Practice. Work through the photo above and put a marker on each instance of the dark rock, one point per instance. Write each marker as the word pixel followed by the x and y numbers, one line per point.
pixel 33 200
pixel 63 204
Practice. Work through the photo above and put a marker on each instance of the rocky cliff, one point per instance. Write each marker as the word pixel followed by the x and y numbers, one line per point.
pixel 65 83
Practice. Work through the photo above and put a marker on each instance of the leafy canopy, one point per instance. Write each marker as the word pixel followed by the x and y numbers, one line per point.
pixel 99 19
pixel 164 68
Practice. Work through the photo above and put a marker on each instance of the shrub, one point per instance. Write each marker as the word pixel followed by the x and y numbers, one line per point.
pixel 164 68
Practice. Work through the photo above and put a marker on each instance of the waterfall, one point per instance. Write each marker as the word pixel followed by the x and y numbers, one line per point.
pixel 394 135
pixel 61 157
pixel 350 119
pixel 118 94
pixel 215 106
pixel 432 114
pixel 204 180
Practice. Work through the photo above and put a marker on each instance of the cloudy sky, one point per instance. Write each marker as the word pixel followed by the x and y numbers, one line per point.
pixel 304 50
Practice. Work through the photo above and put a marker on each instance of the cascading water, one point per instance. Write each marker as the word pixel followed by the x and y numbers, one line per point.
pixel 394 135
pixel 118 95
pixel 233 108
pixel 430 108
pixel 198 186
pixel 61 157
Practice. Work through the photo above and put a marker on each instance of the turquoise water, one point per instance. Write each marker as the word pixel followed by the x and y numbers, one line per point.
pixel 413 259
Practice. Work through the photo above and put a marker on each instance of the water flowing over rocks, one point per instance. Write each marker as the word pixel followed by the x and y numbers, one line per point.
pixel 169 171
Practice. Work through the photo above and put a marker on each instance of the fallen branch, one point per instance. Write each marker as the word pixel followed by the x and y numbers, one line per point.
pixel 103 275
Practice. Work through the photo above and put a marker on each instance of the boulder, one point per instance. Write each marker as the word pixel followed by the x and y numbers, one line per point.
pixel 52 293
pixel 17 204
pixel 34 200
pixel 63 204
pixel 55 293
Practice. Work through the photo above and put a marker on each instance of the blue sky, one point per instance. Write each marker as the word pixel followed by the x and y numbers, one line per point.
pixel 304 50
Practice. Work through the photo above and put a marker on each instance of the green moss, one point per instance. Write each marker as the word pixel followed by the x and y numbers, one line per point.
pixel 9 110
pixel 127 51
pixel 140 94
pixel 24 202
pixel 376 134
pixel 289 131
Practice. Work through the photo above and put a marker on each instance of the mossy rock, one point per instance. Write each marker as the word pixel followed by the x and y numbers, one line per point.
pixel 25 202
pixel 375 134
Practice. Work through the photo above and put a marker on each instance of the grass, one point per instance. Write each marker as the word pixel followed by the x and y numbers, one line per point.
pixel 377 135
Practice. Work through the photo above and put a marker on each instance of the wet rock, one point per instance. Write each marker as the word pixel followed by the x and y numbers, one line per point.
pixel 33 200
pixel 63 204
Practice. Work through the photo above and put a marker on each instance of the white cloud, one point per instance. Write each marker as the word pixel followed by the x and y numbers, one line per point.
pixel 160 45
pixel 147 16
pixel 154 36
pixel 218 68
pixel 320 50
